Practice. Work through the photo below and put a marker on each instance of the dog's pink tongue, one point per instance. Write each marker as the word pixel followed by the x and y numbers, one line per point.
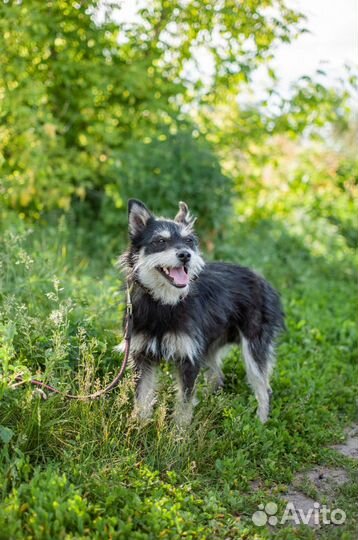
pixel 179 275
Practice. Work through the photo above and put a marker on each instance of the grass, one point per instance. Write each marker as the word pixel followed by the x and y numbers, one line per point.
pixel 89 471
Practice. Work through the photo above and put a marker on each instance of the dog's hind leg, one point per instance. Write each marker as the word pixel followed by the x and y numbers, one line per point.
pixel 258 363
pixel 187 373
pixel 213 362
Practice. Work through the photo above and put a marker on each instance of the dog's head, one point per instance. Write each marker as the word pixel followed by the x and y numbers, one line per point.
pixel 164 254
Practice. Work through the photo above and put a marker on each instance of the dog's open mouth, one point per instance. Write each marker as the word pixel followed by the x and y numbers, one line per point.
pixel 177 276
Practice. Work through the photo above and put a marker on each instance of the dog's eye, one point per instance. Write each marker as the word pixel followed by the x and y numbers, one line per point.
pixel 189 240
pixel 160 241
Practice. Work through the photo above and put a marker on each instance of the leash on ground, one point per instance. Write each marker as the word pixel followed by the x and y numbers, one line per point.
pixel 41 386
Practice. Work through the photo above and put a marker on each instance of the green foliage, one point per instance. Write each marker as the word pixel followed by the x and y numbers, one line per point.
pixel 316 110
pixel 48 517
pixel 167 169
pixel 70 96
pixel 89 470
pixel 93 112
pixel 74 91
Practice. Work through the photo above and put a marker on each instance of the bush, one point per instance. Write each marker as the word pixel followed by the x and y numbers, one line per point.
pixel 164 170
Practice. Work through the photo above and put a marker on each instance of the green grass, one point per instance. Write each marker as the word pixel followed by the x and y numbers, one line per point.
pixel 89 470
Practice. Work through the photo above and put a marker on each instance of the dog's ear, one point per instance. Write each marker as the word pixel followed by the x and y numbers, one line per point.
pixel 138 216
pixel 183 216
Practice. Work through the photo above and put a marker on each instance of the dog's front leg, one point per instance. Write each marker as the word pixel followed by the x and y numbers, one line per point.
pixel 187 373
pixel 146 385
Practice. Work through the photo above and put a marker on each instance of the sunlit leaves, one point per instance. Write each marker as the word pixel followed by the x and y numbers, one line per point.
pixel 75 86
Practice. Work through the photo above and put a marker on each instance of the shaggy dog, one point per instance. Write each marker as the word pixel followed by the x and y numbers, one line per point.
pixel 189 311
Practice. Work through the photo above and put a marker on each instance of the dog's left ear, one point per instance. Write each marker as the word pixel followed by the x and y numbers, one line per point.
pixel 183 216
pixel 138 216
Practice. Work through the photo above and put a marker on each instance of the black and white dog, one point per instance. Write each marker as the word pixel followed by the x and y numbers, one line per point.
pixel 188 312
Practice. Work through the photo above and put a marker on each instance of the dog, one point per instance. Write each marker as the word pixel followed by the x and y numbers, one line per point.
pixel 189 312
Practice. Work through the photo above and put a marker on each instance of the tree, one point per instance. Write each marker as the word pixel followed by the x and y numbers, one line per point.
pixel 74 91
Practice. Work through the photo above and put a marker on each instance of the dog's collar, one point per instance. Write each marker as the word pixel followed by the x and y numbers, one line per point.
pixel 136 281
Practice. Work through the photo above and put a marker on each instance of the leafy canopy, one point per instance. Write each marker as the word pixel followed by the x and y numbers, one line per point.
pixel 75 87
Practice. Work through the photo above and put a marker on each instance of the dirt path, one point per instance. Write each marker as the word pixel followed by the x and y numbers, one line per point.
pixel 322 483
pixel 350 447
pixel 323 480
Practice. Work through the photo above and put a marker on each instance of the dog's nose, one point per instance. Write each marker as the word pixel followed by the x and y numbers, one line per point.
pixel 184 256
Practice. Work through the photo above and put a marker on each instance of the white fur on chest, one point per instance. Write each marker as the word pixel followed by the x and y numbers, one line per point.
pixel 179 345
pixel 172 346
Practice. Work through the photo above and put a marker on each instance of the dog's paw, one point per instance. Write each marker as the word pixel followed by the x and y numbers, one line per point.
pixel 183 414
pixel 263 414
pixel 142 415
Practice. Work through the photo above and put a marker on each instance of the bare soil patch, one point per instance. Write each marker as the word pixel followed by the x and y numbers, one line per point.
pixel 349 447
pixel 322 480
pixel 325 480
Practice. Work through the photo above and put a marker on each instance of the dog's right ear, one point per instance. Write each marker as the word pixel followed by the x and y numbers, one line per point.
pixel 138 216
